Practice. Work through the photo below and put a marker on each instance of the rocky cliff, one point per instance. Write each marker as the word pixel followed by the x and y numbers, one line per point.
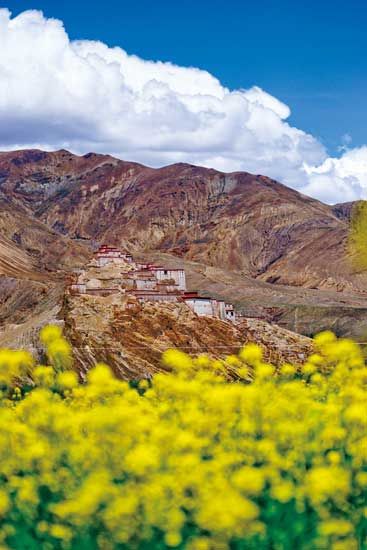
pixel 130 337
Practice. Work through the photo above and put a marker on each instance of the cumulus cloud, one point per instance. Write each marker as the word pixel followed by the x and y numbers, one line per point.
pixel 339 179
pixel 85 96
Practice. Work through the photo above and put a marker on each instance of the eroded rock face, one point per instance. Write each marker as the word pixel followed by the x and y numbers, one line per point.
pixel 31 250
pixel 344 210
pixel 130 336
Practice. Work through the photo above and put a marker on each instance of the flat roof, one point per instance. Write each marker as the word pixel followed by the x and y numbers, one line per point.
pixel 197 298
pixel 101 289
pixel 154 268
pixel 152 292
pixel 157 295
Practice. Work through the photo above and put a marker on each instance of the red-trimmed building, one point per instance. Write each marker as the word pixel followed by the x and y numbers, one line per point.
pixel 147 282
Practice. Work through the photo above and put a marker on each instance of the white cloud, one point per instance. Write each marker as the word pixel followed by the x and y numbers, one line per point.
pixel 339 179
pixel 85 96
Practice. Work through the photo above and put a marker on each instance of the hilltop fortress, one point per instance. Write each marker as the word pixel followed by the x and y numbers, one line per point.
pixel 112 271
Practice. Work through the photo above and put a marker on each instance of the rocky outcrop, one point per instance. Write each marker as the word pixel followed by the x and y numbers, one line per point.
pixel 130 336
pixel 344 210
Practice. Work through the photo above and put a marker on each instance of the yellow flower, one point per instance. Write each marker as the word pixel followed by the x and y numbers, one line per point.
pixel 347 543
pixel 59 353
pixel 200 543
pixel 338 527
pixel 43 376
pixel 264 371
pixel 195 461
pixel 202 361
pixel 283 491
pixel 100 374
pixel 251 354
pixel 334 457
pixel 67 380
pixel 361 479
pixel 4 502
pixel 250 480
pixel 176 360
pixel 324 338
pixel 233 361
pixel 61 532
pixel 50 333
pixel 172 538
pixel 357 414
pixel 288 370
pixel 327 482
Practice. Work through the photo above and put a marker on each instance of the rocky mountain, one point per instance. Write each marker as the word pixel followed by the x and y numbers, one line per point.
pixel 275 253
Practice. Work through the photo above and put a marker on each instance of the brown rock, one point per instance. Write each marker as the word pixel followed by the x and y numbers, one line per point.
pixel 131 339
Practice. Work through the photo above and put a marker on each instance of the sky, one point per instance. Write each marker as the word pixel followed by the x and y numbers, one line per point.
pixel 270 87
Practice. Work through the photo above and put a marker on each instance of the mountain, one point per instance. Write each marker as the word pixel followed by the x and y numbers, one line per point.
pixel 274 252
pixel 236 221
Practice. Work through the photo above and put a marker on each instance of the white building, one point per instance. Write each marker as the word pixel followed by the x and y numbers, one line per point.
pixel 166 274
pixel 106 255
pixel 230 313
pixel 200 305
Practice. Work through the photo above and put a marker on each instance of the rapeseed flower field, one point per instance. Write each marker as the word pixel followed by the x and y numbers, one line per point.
pixel 276 459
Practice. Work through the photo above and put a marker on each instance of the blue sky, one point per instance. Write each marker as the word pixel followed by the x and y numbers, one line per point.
pixel 273 88
pixel 311 55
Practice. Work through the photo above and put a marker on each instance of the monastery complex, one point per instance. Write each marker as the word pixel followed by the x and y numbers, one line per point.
pixel 112 271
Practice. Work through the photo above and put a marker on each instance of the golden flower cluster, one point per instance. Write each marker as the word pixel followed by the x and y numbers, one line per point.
pixel 275 460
